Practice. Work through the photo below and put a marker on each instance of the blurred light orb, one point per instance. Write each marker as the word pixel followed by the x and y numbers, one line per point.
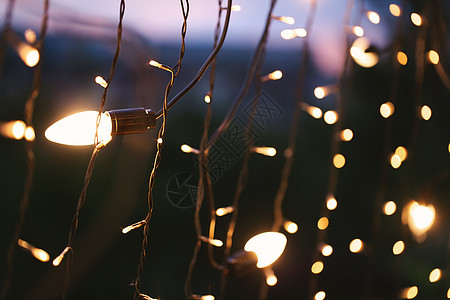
pixel 389 208
pixel 319 92
pixel 402 58
pixel 339 161
pixel 416 19
pixel 396 161
pixel 402 152
pixel 330 117
pixel 398 247
pixel 332 203
pixel 387 109
pixel 425 112
pixel 320 295
pixel 435 275
pixel 327 250
pixel 433 56
pixel 395 10
pixel 323 223
pixel 356 246
pixel 358 31
pixel 317 267
pixel 346 135
pixel 359 54
pixel 373 17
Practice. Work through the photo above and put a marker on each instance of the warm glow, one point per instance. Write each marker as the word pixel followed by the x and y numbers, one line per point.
pixel 402 152
pixel 28 54
pixel 389 208
pixel 214 242
pixel 320 295
pixel 207 98
pixel 79 129
pixel 154 63
pixel 420 218
pixel 395 10
pixel 373 17
pixel 271 279
pixel 30 135
pixel 159 140
pixel 133 226
pixel 313 111
pixel 358 31
pixel 410 293
pixel 268 247
pixel 222 211
pixel 398 247
pixel 327 250
pixel 286 20
pixel 186 148
pixel 359 54
pixel 30 36
pixel 402 58
pixel 275 75
pixel 346 135
pixel 13 129
pixel 39 254
pixel 331 203
pixel 396 161
pixel 290 227
pixel 433 56
pixel 416 19
pixel 101 82
pixel 289 34
pixel 330 117
pixel 317 267
pixel 339 161
pixel 236 7
pixel 425 112
pixel 322 224
pixel 60 257
pixel 387 109
pixel 319 92
pixel 267 151
pixel 435 275
pixel 300 32
pixel 356 245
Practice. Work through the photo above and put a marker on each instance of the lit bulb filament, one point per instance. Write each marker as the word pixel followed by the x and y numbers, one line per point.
pixel 275 75
pixel 60 257
pixel 267 151
pixel 214 242
pixel 271 279
pixel 156 64
pixel 101 82
pixel 188 149
pixel 224 211
pixel 133 226
pixel 36 252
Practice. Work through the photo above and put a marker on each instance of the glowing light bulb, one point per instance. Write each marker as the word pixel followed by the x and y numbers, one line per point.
pixel 271 279
pixel 389 208
pixel 289 34
pixel 290 227
pixel 224 211
pixel 416 19
pixel 402 58
pixel 313 111
pixel 346 135
pixel 373 17
pixel 320 295
pixel 60 257
pixel 326 250
pixel 79 129
pixel 236 7
pixel 267 246
pixel 133 226
pixel 188 149
pixel 300 32
pixel 402 152
pixel 425 112
pixel 29 135
pixel 30 36
pixel 207 98
pixel 356 246
pixel 29 54
pixel 330 117
pixel 286 20
pixel 409 292
pixel 359 54
pixel 39 254
pixel 387 109
pixel 214 242
pixel 420 218
pixel 267 151
pixel 395 10
pixel 203 297
pixel 398 248
pixel 331 203
pixel 339 161
pixel 159 141
pixel 275 75
pixel 396 161
pixel 101 82
pixel 433 56
pixel 323 223
pixel 13 129
pixel 319 92
pixel 358 31
pixel 154 63
pixel 317 267
pixel 435 275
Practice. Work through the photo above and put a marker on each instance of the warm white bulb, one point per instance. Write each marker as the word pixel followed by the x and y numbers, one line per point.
pixel 267 246
pixel 79 129
pixel 359 54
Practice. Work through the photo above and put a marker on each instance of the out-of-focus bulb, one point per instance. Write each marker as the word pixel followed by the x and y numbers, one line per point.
pixel 358 31
pixel 207 98
pixel 323 223
pixel 289 34
pixel 395 10
pixel 275 75
pixel 313 111
pixel 29 55
pixel 331 203
pixel 356 246
pixel 320 295
pixel 420 218
pixel 398 248
pixel 133 226
pixel 359 54
pixel 425 112
pixel 13 129
pixel 214 242
pixel 409 292
pixel 435 275
pixel 387 109
pixel 373 17
pixel 222 211
pixel 30 36
pixel 290 227
pixel 101 82
pixel 389 208
pixel 236 7
pixel 416 19
pixel 396 161
pixel 402 152
pixel 330 117
pixel 29 135
pixel 188 149
pixel 346 135
pixel 271 279
pixel 57 261
pixel 317 267
pixel 39 254
pixel 286 20
pixel 433 56
pixel 402 58
pixel 267 151
pixel 267 246
pixel 79 129
pixel 339 161
pixel 326 250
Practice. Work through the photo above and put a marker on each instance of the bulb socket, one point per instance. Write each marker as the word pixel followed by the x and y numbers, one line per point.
pixel 131 120
pixel 241 262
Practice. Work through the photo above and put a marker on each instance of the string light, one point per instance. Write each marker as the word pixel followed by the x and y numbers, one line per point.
pixel 290 227
pixel 267 246
pixel 133 226
pixel 289 34
pixel 267 151
pixel 339 161
pixel 322 224
pixel 389 208
pixel 236 7
pixel 322 91
pixel 358 31
pixel 286 20
pixel 398 248
pixel 356 245
pixel 29 134
pixel 214 242
pixel 395 10
pixel 433 57
pixel 346 135
pixel 409 293
pixel 330 117
pixel 29 54
pixel 313 111
pixel 331 203
pixel 419 218
pixel 101 82
pixel 271 279
pixel 30 36
pixel 402 58
pixel 416 19
pixel 396 161
pixel 425 112
pixel 188 149
pixel 373 17
pixel 13 129
pixel 435 275
pixel 402 152
pixel 387 109
pixel 317 267
pixel 39 254
pixel 57 261
pixel 207 98
pixel 326 250
pixel 159 141
pixel 275 75
pixel 224 211
pixel 359 54
pixel 320 295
